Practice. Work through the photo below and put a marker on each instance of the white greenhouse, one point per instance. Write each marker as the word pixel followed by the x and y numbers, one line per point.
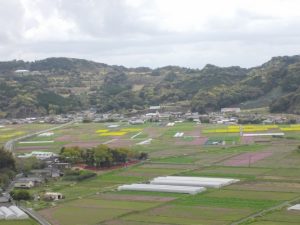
pixel 162 188
pixel 193 181
pixel 226 180
pixel 187 183
pixel 9 215
pixel 18 212
pixel 295 207
pixel 2 216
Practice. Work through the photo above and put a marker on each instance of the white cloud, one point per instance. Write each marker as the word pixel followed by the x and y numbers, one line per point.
pixel 151 32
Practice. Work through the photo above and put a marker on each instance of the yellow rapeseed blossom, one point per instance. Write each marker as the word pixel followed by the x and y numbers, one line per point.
pixel 102 131
pixel 114 133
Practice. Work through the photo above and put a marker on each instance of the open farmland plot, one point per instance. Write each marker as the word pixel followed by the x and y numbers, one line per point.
pixel 262 185
pixel 94 210
pixel 149 172
pixel 265 183
pixel 279 217
pixel 178 214
pixel 284 156
pixel 18 222
pixel 13 131
pixel 223 171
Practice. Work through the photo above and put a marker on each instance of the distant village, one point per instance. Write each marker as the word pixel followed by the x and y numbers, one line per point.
pixel 162 114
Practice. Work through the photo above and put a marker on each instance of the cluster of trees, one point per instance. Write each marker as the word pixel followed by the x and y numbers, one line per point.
pixel 100 156
pixel 19 195
pixel 24 165
pixel 7 167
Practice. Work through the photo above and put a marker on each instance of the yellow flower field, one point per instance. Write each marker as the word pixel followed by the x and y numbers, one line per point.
pixel 113 133
pixel 238 129
pixel 11 135
pixel 102 131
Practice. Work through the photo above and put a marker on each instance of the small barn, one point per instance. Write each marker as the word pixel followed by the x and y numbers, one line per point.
pixel 53 196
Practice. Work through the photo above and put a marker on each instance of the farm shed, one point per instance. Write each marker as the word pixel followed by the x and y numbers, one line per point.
pixel 162 188
pixel 18 212
pixel 8 214
pixel 295 207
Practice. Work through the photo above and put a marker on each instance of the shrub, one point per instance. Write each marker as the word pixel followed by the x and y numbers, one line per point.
pixel 78 175
pixel 20 195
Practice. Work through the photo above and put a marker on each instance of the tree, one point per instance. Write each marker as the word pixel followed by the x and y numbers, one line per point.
pixel 19 195
pixel 72 154
pixel 7 160
pixel 102 156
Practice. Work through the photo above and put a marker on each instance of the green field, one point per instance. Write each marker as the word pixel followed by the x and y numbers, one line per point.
pixel 264 183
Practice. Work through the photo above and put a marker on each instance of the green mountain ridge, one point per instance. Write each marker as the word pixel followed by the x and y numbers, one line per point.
pixel 60 85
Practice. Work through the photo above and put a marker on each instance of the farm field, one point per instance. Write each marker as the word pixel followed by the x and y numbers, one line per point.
pixel 18 222
pixel 268 169
pixel 9 132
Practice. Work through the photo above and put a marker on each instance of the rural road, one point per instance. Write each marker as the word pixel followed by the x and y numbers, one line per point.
pixel 9 146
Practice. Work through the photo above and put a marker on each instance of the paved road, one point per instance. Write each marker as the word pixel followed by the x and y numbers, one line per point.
pixel 10 145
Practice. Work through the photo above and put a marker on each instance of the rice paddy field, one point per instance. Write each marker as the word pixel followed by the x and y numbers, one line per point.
pixel 268 169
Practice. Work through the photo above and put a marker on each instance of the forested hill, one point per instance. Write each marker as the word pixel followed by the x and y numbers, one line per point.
pixel 59 85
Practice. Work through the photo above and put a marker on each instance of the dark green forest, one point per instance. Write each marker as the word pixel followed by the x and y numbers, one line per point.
pixel 61 85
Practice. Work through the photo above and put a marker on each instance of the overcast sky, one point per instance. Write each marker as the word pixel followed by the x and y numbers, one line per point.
pixel 152 33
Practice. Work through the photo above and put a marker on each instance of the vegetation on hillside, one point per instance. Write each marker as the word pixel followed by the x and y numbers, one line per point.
pixel 7 167
pixel 60 85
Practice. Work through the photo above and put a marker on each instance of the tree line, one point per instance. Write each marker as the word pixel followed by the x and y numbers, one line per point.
pixel 100 156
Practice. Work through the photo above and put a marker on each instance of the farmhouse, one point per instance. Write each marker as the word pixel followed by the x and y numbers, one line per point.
pixel 24 184
pixel 27 182
pixel 53 196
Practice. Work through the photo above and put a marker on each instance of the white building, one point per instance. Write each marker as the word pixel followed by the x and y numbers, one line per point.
pixel 39 155
pixel 54 196
pixel 24 184
pixel 232 110
pixel 47 134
